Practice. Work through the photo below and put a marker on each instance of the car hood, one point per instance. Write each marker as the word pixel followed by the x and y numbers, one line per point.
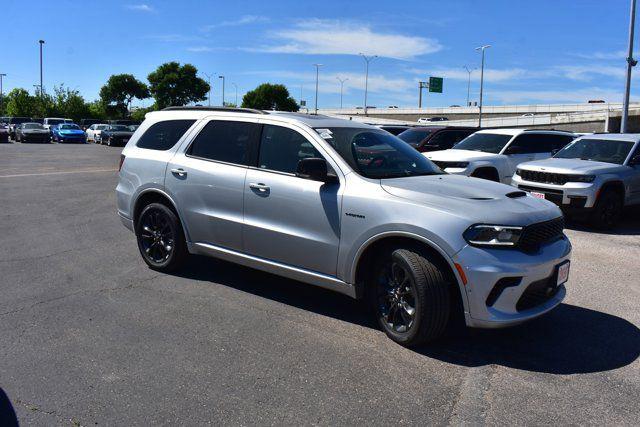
pixel 571 166
pixel 35 131
pixel 477 200
pixel 458 155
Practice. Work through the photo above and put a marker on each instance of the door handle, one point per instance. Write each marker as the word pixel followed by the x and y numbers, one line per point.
pixel 179 172
pixel 260 187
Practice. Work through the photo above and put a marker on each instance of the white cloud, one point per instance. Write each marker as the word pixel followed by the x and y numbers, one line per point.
pixel 140 7
pixel 490 74
pixel 243 20
pixel 199 49
pixel 173 38
pixel 589 72
pixel 619 54
pixel 326 37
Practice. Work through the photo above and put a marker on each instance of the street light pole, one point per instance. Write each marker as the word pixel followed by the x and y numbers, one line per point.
pixel 482 48
pixel 468 82
pixel 1 95
pixel 208 81
pixel 341 87
pixel 236 87
pixel 367 59
pixel 41 42
pixel 317 75
pixel 222 77
pixel 630 64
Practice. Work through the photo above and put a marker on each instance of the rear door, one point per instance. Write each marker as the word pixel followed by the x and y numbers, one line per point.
pixel 207 180
pixel 288 219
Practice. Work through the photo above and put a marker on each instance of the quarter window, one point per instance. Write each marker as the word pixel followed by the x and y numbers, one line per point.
pixel 164 135
pixel 226 141
pixel 282 148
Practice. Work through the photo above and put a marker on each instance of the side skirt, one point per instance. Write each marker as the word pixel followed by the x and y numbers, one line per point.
pixel 288 271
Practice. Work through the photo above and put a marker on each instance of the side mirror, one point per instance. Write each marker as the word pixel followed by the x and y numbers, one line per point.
pixel 314 169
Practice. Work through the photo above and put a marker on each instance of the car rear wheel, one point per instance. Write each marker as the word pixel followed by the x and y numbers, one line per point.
pixel 160 238
pixel 607 211
pixel 411 297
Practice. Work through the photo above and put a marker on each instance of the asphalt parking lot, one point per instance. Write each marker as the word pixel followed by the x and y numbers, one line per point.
pixel 89 335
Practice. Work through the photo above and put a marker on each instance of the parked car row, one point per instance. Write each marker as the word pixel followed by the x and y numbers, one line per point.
pixel 26 130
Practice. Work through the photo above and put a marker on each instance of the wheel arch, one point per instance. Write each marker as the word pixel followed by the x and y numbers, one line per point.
pixel 411 241
pixel 155 195
pixel 613 185
pixel 490 170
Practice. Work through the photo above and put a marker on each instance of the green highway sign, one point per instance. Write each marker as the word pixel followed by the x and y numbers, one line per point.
pixel 435 84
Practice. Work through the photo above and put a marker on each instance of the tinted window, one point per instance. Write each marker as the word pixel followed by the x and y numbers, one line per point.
pixel 448 138
pixel 485 142
pixel 230 142
pixel 414 136
pixel 164 135
pixel 376 154
pixel 529 143
pixel 598 150
pixel 282 148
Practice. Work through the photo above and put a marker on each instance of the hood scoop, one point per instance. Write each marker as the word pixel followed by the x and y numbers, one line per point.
pixel 516 194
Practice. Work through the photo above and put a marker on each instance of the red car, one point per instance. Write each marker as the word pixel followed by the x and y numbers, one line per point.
pixel 434 138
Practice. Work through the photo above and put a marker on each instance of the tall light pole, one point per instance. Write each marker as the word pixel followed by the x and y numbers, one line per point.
pixel 482 48
pixel 41 42
pixel 222 77
pixel 1 95
pixel 630 64
pixel 341 87
pixel 317 76
pixel 236 87
pixel 367 59
pixel 469 82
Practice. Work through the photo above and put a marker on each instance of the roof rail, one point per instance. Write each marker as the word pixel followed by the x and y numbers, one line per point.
pixel 225 109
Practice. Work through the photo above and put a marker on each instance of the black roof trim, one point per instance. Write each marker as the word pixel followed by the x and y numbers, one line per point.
pixel 225 109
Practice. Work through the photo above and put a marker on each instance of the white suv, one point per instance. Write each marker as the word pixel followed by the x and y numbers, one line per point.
pixel 345 206
pixel 494 154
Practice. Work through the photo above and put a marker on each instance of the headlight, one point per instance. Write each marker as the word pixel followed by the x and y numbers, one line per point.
pixel 581 178
pixel 492 235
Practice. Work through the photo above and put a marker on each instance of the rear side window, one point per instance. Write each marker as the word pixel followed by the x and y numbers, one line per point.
pixel 164 135
pixel 231 142
pixel 448 138
pixel 282 148
pixel 531 143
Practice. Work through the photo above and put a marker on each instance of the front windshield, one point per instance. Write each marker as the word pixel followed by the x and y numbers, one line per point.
pixel 32 126
pixel 377 154
pixel 414 137
pixel 69 127
pixel 118 128
pixel 597 150
pixel 101 127
pixel 485 142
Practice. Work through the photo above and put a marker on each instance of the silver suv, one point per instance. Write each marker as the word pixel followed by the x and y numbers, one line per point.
pixel 596 175
pixel 344 206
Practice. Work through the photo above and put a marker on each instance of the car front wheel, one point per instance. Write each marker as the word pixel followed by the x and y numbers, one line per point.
pixel 411 297
pixel 608 210
pixel 160 238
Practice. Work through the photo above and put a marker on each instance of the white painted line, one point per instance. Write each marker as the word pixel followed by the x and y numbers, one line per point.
pixel 59 173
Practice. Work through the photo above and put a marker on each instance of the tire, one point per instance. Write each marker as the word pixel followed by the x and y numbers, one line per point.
pixel 158 229
pixel 408 281
pixel 607 211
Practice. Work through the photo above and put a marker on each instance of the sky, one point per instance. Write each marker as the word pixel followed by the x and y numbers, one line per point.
pixel 543 51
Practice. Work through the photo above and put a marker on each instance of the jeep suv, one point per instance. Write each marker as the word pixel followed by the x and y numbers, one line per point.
pixel 494 154
pixel 344 206
pixel 595 176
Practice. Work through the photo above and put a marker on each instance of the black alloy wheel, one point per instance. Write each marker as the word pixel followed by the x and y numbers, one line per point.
pixel 160 238
pixel 396 297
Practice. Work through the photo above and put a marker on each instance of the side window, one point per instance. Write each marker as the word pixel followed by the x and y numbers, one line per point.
pixel 560 141
pixel 226 141
pixel 282 148
pixel 529 143
pixel 448 138
pixel 164 135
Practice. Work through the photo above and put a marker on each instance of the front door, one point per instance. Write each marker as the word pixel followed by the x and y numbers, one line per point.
pixel 288 219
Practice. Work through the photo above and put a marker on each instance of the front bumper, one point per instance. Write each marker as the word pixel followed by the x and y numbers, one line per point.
pixel 510 305
pixel 572 195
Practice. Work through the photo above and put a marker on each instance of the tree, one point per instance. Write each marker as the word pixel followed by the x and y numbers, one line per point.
pixel 20 103
pixel 173 85
pixel 268 96
pixel 69 104
pixel 120 90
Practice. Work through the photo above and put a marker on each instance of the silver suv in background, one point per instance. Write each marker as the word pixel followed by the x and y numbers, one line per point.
pixel 344 206
pixel 494 154
pixel 596 175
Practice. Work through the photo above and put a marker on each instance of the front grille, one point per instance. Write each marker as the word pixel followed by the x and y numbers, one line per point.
pixel 537 293
pixel 535 235
pixel 544 177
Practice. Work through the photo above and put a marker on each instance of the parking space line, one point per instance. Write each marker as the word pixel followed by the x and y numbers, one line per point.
pixel 59 173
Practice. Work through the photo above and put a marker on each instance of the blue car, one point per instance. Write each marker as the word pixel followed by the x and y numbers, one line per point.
pixel 68 132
